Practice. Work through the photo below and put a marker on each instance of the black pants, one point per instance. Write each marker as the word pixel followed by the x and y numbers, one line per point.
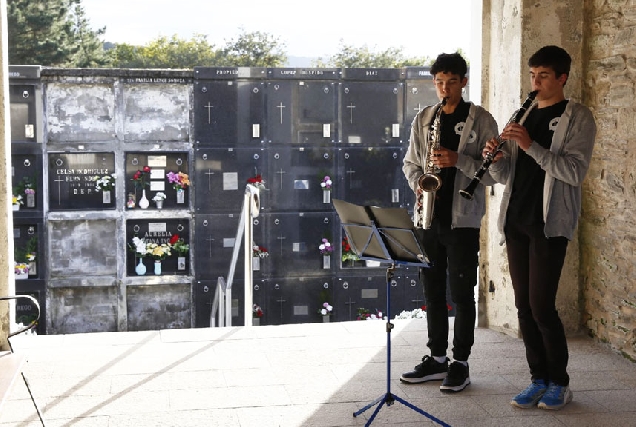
pixel 454 257
pixel 535 268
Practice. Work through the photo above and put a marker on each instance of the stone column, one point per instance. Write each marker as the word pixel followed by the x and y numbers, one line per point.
pixel 512 32
pixel 7 282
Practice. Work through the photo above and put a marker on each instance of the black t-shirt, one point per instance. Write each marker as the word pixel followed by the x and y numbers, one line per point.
pixel 452 126
pixel 526 200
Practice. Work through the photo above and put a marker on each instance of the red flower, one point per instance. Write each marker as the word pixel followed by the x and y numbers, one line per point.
pixel 255 180
pixel 174 239
pixel 146 169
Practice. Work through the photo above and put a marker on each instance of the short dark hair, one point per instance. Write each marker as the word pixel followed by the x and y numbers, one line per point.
pixel 553 57
pixel 452 63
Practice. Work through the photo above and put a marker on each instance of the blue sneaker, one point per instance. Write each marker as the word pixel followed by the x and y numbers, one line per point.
pixel 531 395
pixel 556 397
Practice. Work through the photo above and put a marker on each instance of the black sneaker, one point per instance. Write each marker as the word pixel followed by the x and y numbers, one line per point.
pixel 457 378
pixel 428 370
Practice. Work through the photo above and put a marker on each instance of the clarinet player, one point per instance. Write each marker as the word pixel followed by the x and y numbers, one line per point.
pixel 542 166
pixel 451 240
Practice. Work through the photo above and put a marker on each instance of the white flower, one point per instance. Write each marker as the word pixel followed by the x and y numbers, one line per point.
pixel 159 196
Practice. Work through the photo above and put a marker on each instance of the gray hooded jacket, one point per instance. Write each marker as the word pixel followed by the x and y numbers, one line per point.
pixel 565 164
pixel 480 127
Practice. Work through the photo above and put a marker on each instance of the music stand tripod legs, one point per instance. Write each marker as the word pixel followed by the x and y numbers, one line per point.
pixel 389 398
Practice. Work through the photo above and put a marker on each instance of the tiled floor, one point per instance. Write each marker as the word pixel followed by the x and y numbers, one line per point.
pixel 296 375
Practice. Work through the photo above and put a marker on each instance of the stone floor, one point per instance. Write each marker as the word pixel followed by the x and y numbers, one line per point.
pixel 296 375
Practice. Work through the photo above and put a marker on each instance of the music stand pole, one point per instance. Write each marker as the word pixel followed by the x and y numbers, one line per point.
pixel 384 235
pixel 389 398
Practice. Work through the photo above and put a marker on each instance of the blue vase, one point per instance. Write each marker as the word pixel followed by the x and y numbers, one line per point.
pixel 141 268
pixel 157 267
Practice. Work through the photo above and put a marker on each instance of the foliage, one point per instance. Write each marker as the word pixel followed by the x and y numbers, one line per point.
pixel 52 33
pixel 347 252
pixel 106 182
pixel 28 253
pixel 179 245
pixel 365 314
pixel 142 177
pixel 350 56
pixel 255 49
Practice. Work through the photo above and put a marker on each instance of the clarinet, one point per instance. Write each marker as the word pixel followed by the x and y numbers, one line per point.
pixel 470 189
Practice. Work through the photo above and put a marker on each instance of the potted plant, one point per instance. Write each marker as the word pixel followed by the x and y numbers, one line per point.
pixel 326 249
pixel 181 248
pixel 180 182
pixel 257 313
pixel 21 270
pixel 105 184
pixel 159 198
pixel 140 248
pixel 258 252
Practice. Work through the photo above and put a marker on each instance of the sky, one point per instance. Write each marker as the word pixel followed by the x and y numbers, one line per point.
pixel 308 29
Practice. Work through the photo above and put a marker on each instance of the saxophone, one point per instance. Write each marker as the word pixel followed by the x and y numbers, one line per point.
pixel 430 181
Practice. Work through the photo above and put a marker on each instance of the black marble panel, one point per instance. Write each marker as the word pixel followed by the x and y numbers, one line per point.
pixel 419 94
pixel 24 117
pixel 215 236
pixel 352 293
pixel 372 176
pixel 71 181
pixel 29 247
pixel 222 175
pixel 292 299
pixel 229 113
pixel 295 177
pixel 160 164
pixel 371 113
pixel 301 112
pixel 26 175
pixel 157 231
pixel 25 310
pixel 292 240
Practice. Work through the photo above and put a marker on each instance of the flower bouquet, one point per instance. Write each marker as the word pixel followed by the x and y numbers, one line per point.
pixel 326 189
pixel 259 251
pixel 159 198
pixel 257 312
pixel 179 180
pixel 347 252
pixel 105 184
pixel 365 314
pixel 21 270
pixel 142 178
pixel 257 181
pixel 25 187
pixel 159 252
pixel 326 309
pixel 325 247
pixel 140 248
pixel 16 201
pixel 181 248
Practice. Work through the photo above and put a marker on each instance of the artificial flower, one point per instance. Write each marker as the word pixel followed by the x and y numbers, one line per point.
pixel 325 247
pixel 178 180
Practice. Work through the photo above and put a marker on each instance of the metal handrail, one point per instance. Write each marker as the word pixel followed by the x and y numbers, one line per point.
pixel 222 302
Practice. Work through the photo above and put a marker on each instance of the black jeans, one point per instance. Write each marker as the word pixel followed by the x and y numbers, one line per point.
pixel 535 269
pixel 454 258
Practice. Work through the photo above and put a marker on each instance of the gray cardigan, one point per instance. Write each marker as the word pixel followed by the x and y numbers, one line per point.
pixel 565 164
pixel 480 127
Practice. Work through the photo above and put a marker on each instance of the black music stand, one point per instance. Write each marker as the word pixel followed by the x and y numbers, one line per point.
pixel 384 235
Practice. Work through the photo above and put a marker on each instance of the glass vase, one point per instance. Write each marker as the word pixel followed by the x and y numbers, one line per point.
pixel 140 269
pixel 157 267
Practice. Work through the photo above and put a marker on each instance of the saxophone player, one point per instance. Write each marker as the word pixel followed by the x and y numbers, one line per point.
pixel 542 167
pixel 451 241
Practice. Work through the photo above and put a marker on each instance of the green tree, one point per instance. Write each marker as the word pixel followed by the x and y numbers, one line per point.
pixel 363 57
pixel 255 49
pixel 164 52
pixel 52 33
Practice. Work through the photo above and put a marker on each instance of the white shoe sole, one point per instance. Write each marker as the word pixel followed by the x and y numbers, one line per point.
pixel 434 377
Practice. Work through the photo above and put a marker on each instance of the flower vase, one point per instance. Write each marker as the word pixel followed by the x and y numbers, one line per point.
pixel 22 276
pixel 180 195
pixel 159 204
pixel 143 202
pixel 140 269
pixel 157 267
pixel 325 318
pixel 181 263
pixel 105 197
pixel 326 196
pixel 16 207
pixel 30 200
pixel 256 321
pixel 326 262
pixel 33 270
pixel 256 263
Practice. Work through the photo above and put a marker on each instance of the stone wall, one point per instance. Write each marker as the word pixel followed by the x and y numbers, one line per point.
pixel 608 224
